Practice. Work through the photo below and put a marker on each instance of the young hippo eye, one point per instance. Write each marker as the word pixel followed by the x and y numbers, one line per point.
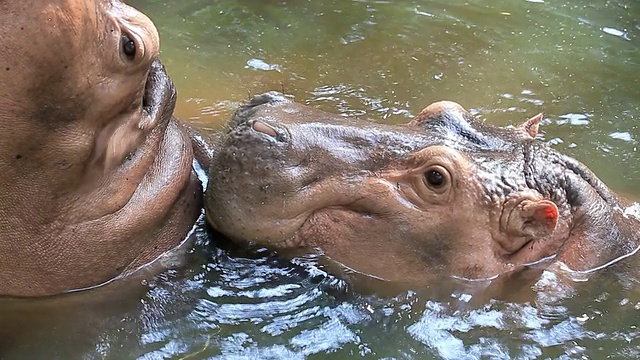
pixel 128 46
pixel 436 177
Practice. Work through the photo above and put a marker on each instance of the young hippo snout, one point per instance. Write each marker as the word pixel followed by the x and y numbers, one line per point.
pixel 444 195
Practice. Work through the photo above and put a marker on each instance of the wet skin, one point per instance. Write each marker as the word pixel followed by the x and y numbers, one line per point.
pixel 445 195
pixel 96 175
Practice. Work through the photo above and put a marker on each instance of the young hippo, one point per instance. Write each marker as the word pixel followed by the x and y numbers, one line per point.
pixel 96 177
pixel 444 195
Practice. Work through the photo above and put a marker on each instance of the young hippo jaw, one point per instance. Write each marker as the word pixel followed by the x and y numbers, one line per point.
pixel 436 197
pixel 96 173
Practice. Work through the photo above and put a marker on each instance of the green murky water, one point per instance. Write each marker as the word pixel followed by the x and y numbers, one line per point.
pixel 577 61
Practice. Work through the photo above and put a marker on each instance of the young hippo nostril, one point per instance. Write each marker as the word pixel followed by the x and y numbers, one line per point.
pixel 264 128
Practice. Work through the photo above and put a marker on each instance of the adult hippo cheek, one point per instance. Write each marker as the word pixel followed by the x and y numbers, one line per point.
pixel 444 195
pixel 95 174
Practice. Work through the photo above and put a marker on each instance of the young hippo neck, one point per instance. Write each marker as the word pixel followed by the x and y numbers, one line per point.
pixel 600 233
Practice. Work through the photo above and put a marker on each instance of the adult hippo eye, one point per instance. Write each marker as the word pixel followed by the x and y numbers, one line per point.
pixel 128 46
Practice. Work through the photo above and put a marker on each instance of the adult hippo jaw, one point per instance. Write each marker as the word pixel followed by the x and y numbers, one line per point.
pixel 95 173
pixel 443 195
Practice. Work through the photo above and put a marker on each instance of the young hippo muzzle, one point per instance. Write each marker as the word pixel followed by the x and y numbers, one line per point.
pixel 95 174
pixel 444 195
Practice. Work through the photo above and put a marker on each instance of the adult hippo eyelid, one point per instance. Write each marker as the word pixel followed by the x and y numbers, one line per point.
pixel 123 25
pixel 131 48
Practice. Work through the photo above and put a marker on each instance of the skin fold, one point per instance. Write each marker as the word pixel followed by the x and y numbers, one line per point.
pixel 96 175
pixel 442 196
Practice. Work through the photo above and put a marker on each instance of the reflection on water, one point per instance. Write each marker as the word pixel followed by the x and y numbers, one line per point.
pixel 578 61
pixel 231 305
pixel 506 61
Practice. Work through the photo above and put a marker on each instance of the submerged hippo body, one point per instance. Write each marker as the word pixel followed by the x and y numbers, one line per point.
pixel 96 176
pixel 444 195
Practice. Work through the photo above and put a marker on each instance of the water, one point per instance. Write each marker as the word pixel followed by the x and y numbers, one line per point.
pixel 577 61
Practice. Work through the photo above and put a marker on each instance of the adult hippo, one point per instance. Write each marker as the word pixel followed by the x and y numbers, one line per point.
pixel 96 176
pixel 445 195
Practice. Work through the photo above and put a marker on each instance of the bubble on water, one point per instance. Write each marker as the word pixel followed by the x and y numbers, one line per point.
pixel 615 32
pixel 279 324
pixel 241 346
pixel 438 326
pixel 574 119
pixel 550 287
pixel 538 102
pixel 465 297
pixel 259 64
pixel 558 334
pixel 582 318
pixel 632 210
pixel 555 141
pixel 217 291
pixel 423 13
pixel 622 135
pixel 525 316
pixel 331 335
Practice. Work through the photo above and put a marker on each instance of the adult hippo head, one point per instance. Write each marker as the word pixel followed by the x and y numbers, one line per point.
pixel 444 195
pixel 96 177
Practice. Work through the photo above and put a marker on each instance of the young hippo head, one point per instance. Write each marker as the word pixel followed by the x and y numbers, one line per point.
pixel 95 175
pixel 442 195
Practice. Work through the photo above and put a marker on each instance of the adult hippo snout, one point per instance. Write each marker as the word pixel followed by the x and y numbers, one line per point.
pixel 96 175
pixel 442 195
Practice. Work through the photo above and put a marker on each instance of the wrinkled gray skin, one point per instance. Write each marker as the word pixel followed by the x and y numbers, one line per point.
pixel 444 195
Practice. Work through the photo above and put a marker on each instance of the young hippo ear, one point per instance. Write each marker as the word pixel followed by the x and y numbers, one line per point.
pixel 532 218
pixel 532 125
pixel 440 111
